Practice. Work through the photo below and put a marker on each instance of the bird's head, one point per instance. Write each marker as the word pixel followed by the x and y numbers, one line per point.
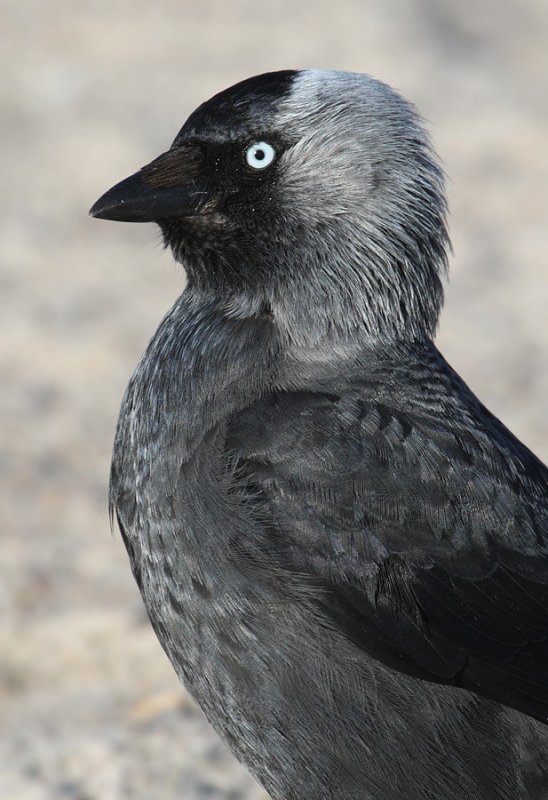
pixel 313 194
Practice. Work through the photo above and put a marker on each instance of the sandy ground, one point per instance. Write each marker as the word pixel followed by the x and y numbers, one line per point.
pixel 89 707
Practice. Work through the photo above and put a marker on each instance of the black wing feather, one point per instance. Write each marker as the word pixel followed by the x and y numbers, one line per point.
pixel 425 520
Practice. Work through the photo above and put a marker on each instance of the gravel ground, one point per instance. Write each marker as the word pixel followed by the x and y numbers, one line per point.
pixel 90 709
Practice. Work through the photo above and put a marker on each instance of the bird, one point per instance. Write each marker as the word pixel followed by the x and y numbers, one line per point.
pixel 341 550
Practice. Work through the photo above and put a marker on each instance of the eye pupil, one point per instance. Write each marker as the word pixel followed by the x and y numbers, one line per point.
pixel 259 154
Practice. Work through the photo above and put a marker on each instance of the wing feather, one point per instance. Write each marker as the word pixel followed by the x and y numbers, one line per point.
pixel 427 525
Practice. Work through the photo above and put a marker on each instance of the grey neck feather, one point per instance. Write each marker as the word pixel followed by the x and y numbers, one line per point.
pixel 372 213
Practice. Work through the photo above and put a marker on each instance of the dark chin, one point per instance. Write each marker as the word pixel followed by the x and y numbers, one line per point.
pixel 206 246
pixel 197 227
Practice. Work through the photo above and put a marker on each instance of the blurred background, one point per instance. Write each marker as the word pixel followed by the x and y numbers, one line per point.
pixel 89 706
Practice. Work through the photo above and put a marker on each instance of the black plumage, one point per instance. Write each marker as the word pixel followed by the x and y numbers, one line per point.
pixel 343 553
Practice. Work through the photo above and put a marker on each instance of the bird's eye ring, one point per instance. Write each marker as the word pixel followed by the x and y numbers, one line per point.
pixel 260 155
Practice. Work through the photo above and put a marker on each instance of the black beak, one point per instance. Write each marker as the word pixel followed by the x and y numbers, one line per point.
pixel 170 186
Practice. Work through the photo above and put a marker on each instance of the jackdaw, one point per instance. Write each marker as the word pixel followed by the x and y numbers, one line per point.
pixel 342 552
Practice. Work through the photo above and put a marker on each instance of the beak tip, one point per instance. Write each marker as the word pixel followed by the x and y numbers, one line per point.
pixel 114 206
pixel 100 209
pixel 122 202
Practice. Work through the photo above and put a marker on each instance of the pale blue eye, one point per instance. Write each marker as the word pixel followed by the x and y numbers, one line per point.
pixel 260 155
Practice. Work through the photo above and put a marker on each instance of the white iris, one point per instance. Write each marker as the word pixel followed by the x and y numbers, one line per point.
pixel 260 155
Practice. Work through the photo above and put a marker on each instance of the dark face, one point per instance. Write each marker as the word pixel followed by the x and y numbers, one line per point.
pixel 235 203
pixel 214 193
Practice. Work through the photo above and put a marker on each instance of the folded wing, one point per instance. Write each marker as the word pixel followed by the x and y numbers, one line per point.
pixel 425 529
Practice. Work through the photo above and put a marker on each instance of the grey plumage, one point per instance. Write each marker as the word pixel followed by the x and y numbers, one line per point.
pixel 343 553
